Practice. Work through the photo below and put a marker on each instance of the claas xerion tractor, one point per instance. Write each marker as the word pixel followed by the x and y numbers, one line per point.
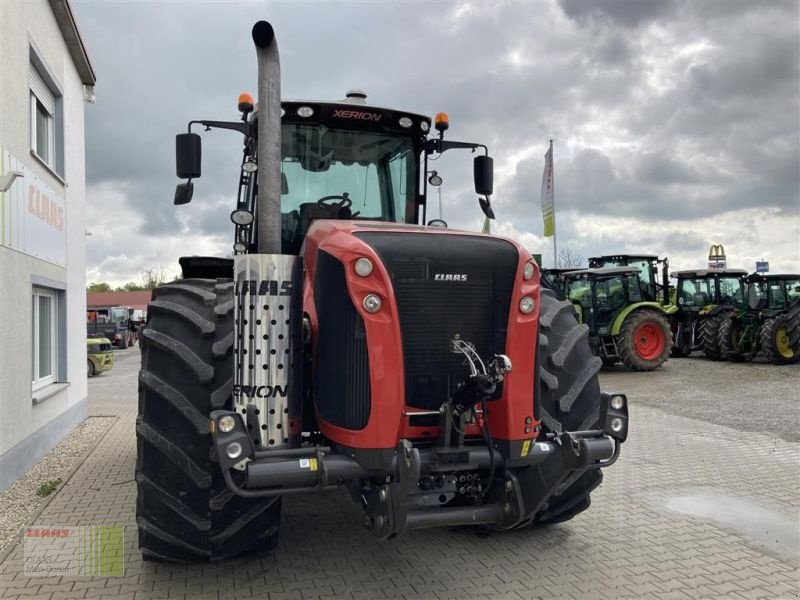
pixel 705 298
pixel 770 323
pixel 348 344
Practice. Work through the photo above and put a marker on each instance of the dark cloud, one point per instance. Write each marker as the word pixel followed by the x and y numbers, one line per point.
pixel 623 13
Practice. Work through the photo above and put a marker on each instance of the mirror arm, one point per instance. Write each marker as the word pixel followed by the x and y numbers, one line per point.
pixel 435 145
pixel 246 129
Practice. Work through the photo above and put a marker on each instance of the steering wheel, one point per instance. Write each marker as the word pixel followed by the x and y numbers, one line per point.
pixel 344 201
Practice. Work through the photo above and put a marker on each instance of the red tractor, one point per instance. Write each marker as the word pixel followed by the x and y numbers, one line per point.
pixel 349 344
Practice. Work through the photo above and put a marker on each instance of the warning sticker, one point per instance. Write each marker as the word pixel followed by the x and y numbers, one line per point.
pixel 526 447
pixel 309 463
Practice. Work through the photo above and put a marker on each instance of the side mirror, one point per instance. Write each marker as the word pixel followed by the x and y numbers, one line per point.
pixel 187 155
pixel 284 184
pixel 483 170
pixel 183 193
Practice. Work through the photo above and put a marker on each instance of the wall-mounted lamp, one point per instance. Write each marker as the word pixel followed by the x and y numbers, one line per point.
pixel 7 180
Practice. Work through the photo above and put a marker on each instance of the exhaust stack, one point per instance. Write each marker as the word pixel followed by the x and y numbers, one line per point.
pixel 268 215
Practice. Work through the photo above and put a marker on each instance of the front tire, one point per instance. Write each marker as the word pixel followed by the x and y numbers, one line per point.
pixel 645 340
pixel 729 336
pixel 570 395
pixel 780 338
pixel 184 510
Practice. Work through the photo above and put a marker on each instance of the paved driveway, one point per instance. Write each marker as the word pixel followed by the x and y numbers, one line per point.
pixel 691 510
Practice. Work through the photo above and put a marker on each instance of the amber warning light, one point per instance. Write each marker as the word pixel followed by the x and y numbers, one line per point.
pixel 246 103
pixel 442 122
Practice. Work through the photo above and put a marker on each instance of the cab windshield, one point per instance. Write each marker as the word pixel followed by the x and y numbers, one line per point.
pixel 343 174
pixel 119 315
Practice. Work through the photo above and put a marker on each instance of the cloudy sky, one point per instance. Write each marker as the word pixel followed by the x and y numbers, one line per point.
pixel 675 122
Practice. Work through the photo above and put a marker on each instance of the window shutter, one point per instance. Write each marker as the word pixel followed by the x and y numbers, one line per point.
pixel 41 91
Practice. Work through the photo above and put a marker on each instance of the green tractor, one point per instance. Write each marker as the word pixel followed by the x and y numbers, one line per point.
pixel 653 271
pixel 770 323
pixel 705 298
pixel 624 324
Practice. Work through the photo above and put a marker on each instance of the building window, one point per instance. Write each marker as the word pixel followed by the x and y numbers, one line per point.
pixel 42 124
pixel 47 115
pixel 44 346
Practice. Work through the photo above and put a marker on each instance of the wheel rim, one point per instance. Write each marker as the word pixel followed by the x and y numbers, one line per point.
pixel 782 342
pixel 648 339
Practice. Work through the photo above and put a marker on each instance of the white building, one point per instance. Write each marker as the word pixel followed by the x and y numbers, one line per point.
pixel 45 80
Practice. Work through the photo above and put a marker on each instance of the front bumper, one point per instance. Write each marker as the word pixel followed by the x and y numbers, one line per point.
pixel 389 482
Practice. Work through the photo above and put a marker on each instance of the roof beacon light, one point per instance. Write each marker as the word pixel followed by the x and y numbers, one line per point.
pixel 246 103
pixel 442 122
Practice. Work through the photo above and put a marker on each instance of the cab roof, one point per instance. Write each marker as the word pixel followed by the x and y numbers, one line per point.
pixel 625 256
pixel 604 272
pixel 710 272
pixel 772 276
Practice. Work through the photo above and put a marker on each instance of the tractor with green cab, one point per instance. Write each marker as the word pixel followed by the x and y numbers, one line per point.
pixel 653 271
pixel 770 323
pixel 623 323
pixel 705 298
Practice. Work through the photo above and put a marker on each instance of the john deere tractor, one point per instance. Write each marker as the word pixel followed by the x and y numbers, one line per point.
pixel 705 298
pixel 350 342
pixel 623 325
pixel 770 323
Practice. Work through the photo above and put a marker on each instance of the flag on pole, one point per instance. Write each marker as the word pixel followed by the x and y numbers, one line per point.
pixel 548 198
pixel 487 226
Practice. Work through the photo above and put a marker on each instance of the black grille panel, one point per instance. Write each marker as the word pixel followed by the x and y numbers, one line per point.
pixel 341 373
pixel 432 312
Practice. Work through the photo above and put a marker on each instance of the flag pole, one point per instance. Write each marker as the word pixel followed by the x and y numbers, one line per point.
pixel 555 234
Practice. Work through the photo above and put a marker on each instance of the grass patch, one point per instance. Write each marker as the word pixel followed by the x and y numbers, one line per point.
pixel 48 488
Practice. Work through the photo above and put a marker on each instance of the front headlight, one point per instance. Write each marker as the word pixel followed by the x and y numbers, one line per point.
pixel 526 305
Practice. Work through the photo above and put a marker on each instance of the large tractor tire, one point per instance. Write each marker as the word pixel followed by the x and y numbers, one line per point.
pixel 709 333
pixel 645 340
pixel 184 510
pixel 570 395
pixel 780 338
pixel 729 335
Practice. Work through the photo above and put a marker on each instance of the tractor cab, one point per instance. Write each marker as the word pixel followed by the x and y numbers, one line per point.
pixel 653 272
pixel 345 160
pixel 599 294
pixel 772 292
pixel 701 290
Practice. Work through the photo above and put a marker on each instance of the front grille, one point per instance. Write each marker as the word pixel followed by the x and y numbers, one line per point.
pixel 433 311
pixel 341 374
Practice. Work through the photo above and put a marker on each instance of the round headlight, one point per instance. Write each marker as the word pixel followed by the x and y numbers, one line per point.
pixel 617 402
pixel 239 247
pixel 616 425
pixel 226 424
pixel 242 217
pixel 305 112
pixel 363 267
pixel 233 450
pixel 528 272
pixel 405 122
pixel 424 126
pixel 372 303
pixel 250 166
pixel 526 305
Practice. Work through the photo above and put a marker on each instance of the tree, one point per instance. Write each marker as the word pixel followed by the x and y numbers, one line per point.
pixel 568 257
pixel 101 286
pixel 152 278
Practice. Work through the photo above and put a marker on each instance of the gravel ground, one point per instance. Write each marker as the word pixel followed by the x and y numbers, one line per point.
pixel 751 397
pixel 20 502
